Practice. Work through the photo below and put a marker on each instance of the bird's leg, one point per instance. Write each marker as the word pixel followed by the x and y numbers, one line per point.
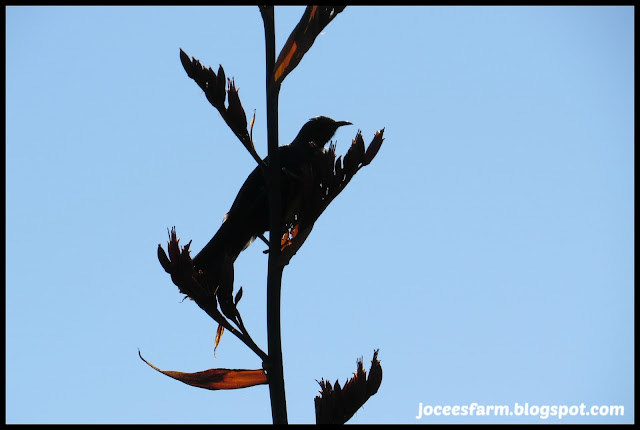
pixel 264 239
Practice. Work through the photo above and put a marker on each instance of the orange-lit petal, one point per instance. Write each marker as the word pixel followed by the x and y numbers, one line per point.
pixel 219 332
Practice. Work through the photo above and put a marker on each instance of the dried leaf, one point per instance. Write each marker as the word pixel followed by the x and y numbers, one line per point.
pixel 313 21
pixel 217 379
pixel 285 65
pixel 216 342
pixel 253 121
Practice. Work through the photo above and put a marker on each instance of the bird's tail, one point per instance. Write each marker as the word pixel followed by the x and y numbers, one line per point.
pixel 216 260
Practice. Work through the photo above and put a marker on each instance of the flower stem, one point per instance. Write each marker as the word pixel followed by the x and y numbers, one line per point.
pixel 274 278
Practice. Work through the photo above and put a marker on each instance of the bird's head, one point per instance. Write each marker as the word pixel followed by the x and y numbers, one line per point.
pixel 319 130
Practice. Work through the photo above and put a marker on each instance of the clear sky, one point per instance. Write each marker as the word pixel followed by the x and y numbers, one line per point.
pixel 487 251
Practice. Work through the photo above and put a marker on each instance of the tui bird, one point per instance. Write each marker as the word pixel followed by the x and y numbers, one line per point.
pixel 249 213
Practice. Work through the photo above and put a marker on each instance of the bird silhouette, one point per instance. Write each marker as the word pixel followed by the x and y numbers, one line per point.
pixel 248 216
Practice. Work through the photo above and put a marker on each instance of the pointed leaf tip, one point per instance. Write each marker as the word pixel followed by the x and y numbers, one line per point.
pixel 238 296
pixel 313 21
pixel 373 147
pixel 216 379
pixel 164 260
pixel 219 333
pixel 236 115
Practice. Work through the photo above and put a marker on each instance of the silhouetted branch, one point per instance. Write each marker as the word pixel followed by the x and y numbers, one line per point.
pixel 179 265
pixel 324 180
pixel 317 178
pixel 215 89
pixel 336 405
pixel 274 275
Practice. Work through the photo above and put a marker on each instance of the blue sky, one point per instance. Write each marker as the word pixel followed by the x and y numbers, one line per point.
pixel 487 251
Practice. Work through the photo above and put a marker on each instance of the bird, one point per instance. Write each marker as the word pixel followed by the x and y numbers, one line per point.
pixel 248 216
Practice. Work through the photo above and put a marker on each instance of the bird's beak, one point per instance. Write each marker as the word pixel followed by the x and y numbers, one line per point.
pixel 341 123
